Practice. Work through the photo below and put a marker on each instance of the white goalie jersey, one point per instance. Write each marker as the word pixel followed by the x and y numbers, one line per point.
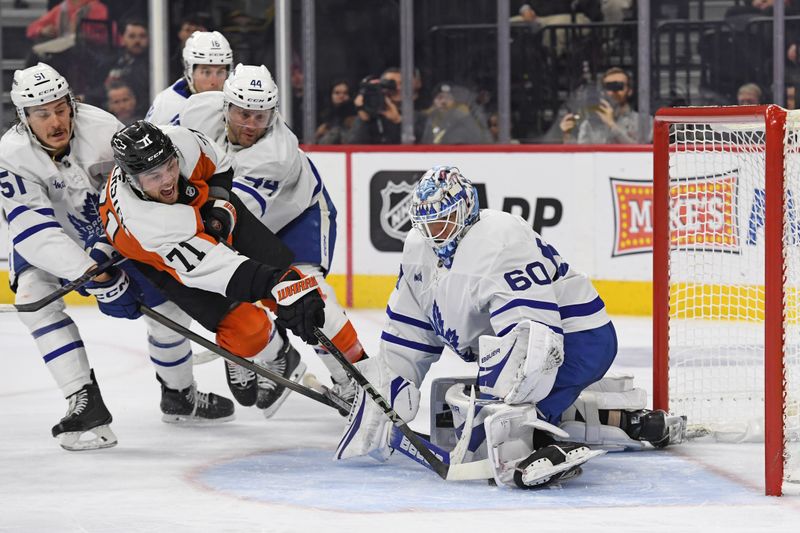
pixel 503 273
pixel 273 178
pixel 52 206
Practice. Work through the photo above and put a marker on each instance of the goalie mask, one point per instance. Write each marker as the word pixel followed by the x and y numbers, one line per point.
pixel 444 205
pixel 38 85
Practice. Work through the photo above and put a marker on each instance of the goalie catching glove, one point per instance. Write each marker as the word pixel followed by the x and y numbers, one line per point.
pixel 300 305
pixel 118 296
pixel 219 218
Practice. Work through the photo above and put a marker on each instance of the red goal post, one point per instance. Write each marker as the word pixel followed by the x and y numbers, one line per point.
pixel 726 276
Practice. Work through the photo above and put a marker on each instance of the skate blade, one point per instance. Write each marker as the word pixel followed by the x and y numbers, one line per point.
pixel 190 420
pixel 295 376
pixel 201 358
pixel 98 438
pixel 536 475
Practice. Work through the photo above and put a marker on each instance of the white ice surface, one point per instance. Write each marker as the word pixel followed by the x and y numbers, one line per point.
pixel 277 475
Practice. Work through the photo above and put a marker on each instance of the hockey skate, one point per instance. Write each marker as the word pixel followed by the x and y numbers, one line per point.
pixel 242 383
pixel 656 427
pixel 86 424
pixel 192 406
pixel 270 394
pixel 552 463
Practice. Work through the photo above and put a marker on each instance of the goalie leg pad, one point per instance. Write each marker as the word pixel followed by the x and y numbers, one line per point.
pixel 509 437
pixel 615 398
pixel 442 426
pixel 368 428
pixel 521 366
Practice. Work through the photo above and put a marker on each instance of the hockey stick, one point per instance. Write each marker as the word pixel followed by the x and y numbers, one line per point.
pixel 241 361
pixel 435 461
pixel 65 289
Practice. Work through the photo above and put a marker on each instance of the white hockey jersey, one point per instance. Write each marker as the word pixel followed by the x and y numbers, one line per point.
pixel 168 237
pixel 274 178
pixel 169 103
pixel 52 206
pixel 503 272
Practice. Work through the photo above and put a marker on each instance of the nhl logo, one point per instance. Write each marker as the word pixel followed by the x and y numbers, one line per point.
pixel 395 201
pixel 190 191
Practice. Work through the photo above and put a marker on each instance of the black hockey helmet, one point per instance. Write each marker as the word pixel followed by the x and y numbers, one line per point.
pixel 140 147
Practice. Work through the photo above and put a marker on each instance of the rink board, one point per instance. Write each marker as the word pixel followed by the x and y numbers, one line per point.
pixel 571 194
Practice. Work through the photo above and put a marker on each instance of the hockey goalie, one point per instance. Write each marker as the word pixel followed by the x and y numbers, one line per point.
pixel 485 285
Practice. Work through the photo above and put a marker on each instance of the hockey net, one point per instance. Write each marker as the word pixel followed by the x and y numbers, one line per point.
pixel 726 278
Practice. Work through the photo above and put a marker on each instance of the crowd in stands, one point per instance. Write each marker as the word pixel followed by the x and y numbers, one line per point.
pixel 102 48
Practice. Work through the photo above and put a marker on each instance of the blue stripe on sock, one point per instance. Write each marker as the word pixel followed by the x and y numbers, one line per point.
pixel 172 363
pixel 52 327
pixel 61 351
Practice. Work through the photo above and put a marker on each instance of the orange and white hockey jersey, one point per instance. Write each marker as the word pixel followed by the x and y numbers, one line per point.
pixel 171 237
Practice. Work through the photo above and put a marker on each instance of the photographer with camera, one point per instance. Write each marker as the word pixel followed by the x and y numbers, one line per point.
pixel 378 104
pixel 608 119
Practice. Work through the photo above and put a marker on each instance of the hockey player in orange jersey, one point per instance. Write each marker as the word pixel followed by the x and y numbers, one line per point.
pixel 167 205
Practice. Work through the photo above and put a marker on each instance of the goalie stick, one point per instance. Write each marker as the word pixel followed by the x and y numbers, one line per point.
pixel 241 361
pixel 65 289
pixel 398 442
pixel 448 469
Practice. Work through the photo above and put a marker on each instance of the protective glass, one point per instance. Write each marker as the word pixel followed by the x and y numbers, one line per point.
pixel 251 118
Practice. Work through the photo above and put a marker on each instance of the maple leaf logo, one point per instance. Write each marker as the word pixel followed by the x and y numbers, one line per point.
pixel 90 227
pixel 449 336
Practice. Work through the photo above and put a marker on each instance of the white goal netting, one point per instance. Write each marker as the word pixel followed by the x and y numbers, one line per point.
pixel 717 280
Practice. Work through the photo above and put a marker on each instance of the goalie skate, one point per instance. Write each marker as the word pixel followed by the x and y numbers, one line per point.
pixel 86 424
pixel 556 462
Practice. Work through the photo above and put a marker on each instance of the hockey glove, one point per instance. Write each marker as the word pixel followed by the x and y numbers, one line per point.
pixel 219 218
pixel 300 306
pixel 119 296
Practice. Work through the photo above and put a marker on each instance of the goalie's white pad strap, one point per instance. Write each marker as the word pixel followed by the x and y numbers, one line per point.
pixel 612 383
pixel 521 366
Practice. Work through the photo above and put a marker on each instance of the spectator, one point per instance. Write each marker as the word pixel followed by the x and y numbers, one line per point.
pixel 121 102
pixel 188 26
pixel 65 19
pixel 540 13
pixel 612 121
pixel 749 94
pixel 378 104
pixel 132 64
pixel 450 120
pixel 338 117
pixel 422 97
pixel 616 10
pixel 494 129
